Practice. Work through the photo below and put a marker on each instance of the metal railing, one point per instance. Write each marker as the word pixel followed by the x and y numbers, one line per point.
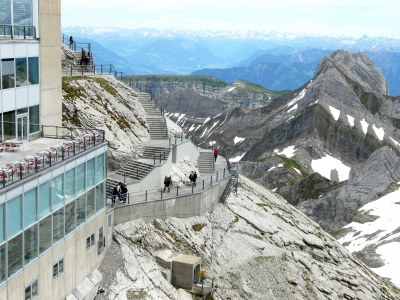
pixel 174 192
pixel 50 157
pixel 17 31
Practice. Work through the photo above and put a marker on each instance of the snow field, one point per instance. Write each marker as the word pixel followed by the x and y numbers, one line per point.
pixel 326 164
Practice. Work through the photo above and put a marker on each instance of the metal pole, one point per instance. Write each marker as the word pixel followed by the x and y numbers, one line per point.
pixel 161 193
pixel 146 195
pixel 124 177
pixel 217 177
pixel 211 181
pixel 203 184
pixel 177 190
pixel 224 173
pixel 192 188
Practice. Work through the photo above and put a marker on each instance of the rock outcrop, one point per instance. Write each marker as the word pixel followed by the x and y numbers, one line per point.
pixel 255 247
pixel 105 103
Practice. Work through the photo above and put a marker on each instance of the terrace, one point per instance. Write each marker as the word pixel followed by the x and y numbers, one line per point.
pixel 19 159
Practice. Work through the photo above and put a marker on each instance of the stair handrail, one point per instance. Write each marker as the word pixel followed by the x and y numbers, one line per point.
pixel 152 158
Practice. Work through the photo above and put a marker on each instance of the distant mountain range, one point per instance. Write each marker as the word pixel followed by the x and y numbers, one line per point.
pixel 271 59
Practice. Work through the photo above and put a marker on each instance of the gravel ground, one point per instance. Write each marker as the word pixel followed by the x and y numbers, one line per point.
pixel 111 264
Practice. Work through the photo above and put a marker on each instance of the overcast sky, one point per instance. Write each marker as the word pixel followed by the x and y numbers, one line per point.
pixel 350 17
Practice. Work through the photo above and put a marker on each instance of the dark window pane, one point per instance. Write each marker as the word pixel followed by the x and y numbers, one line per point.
pixel 9 125
pixel 69 217
pixel 28 295
pixel 7 69
pixel 88 243
pixel 2 262
pixel 15 255
pixel 34 119
pixel 45 234
pixel 61 266
pixel 31 243
pixel 55 271
pixel 33 65
pixel 90 203
pixel 80 210
pixel 58 225
pixel 21 72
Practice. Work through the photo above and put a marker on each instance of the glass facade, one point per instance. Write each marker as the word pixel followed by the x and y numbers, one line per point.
pixel 42 216
pixel 9 122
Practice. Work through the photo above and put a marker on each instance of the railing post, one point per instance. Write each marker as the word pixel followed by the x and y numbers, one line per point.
pixel 84 143
pixel 146 195
pixel 192 188
pixel 177 190
pixel 124 177
pixel 211 181
pixel 169 142
pixel 137 173
pixel 160 158
pixel 203 184
pixel 224 174
pixel 161 193
pixel 216 178
pixel 71 71
pixel 35 164
pixel 4 178
pixel 154 159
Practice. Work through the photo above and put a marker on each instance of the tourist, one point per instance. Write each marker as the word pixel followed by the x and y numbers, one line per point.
pixel 114 194
pixel 124 192
pixel 194 177
pixel 167 182
pixel 71 42
pixel 191 178
pixel 215 154
pixel 119 191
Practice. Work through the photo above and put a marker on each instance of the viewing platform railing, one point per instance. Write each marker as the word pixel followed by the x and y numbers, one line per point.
pixel 76 140
pixel 17 32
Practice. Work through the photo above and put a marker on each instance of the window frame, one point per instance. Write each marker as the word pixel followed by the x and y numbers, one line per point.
pixel 59 273
pixel 30 286
pixel 92 241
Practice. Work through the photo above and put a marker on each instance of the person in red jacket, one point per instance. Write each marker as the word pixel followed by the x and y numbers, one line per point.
pixel 215 154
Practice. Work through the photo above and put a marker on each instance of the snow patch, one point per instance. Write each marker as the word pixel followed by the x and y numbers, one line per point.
pixel 180 117
pixel 377 232
pixel 335 112
pixel 231 89
pixel 289 119
pixel 364 126
pixel 351 120
pixel 394 141
pixel 238 139
pixel 380 132
pixel 297 98
pixel 314 102
pixel 237 158
pixel 206 120
pixel 293 108
pixel 212 143
pixel 288 151
pixel 325 165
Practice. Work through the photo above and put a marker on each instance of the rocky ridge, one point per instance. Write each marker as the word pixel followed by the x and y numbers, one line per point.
pixel 255 245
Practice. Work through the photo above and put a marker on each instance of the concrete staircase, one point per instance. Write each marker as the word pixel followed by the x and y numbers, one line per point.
pixel 157 124
pixel 205 162
pixel 150 151
pixel 136 169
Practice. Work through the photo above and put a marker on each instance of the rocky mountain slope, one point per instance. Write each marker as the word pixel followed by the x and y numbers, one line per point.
pixel 255 247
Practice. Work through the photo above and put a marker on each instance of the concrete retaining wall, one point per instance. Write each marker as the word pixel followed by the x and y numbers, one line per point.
pixel 181 207
pixel 185 149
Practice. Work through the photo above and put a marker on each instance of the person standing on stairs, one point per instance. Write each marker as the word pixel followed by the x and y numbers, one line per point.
pixel 71 42
pixel 124 192
pixel 215 154
pixel 194 177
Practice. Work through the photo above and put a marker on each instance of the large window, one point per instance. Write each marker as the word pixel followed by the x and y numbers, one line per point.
pixel 58 269
pixel 23 14
pixel 31 244
pixel 90 203
pixel 69 185
pixel 30 204
pixel 7 73
pixel 80 210
pixel 14 255
pixel 9 125
pixel 100 197
pixel 21 72
pixel 58 225
pixel 80 179
pixel 58 191
pixel 69 217
pixel 100 168
pixel 3 262
pixel 44 199
pixel 45 234
pixel 90 173
pixel 14 216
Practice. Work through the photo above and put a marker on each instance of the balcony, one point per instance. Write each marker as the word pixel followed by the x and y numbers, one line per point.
pixel 16 32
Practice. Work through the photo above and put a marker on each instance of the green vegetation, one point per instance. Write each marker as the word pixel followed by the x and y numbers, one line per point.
pixel 198 227
pixel 133 295
pixel 70 91
pixel 205 80
pixel 289 163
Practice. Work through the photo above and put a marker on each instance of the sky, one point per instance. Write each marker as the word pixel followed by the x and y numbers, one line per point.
pixel 333 17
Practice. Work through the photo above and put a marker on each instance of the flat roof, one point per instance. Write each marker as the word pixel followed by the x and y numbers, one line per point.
pixel 187 259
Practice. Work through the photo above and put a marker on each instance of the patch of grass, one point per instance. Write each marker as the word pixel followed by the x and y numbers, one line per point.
pixel 72 92
pixel 198 227
pixel 289 163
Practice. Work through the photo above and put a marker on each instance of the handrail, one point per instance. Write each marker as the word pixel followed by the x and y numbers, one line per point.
pixel 18 31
